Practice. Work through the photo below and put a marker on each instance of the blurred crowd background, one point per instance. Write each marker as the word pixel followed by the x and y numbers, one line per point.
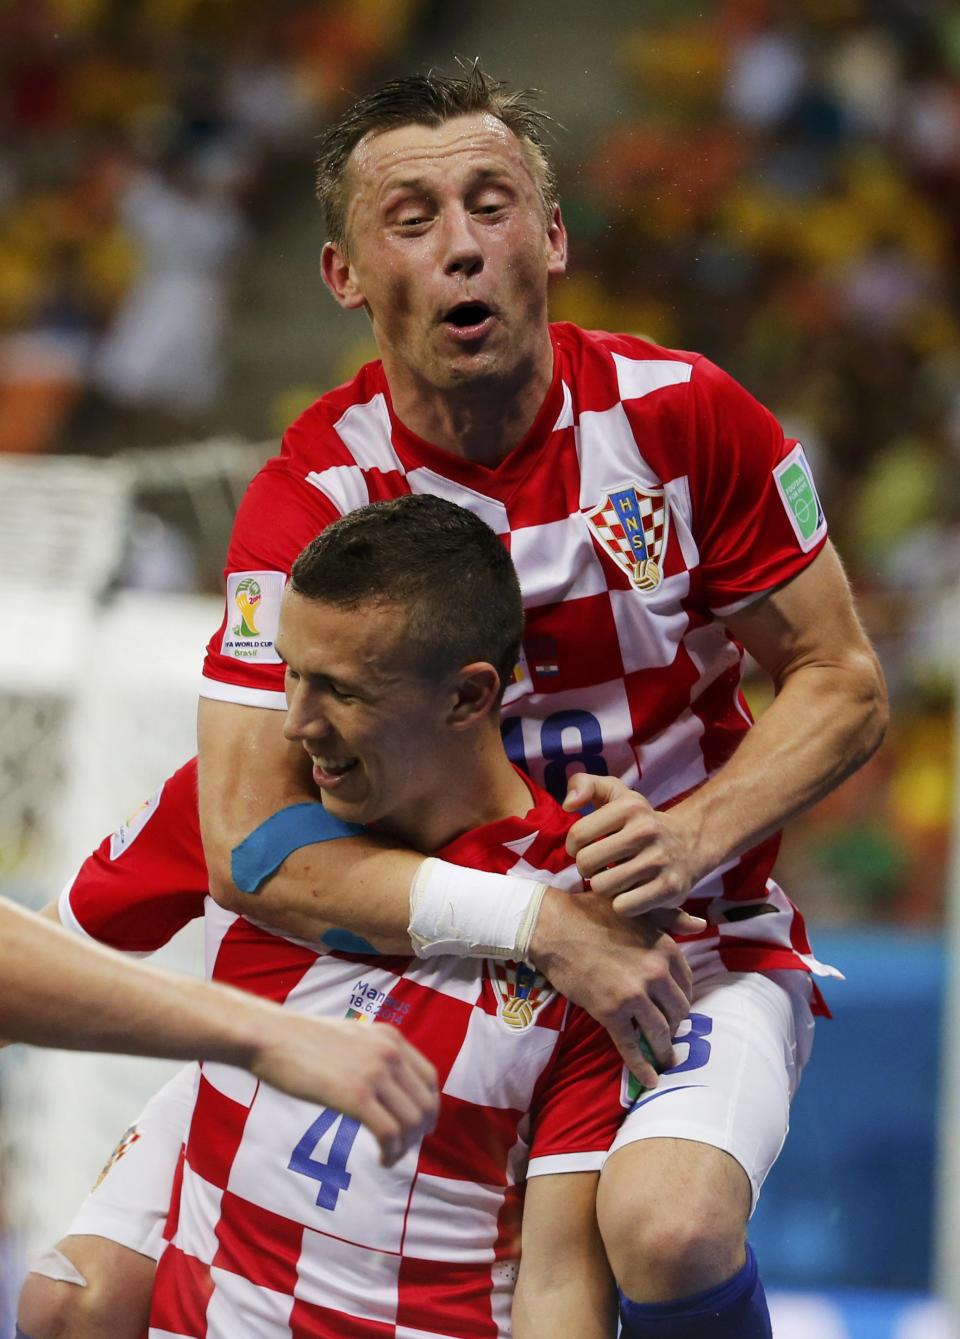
pixel 775 183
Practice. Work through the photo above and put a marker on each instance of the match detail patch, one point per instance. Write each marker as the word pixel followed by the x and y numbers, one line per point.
pixel 798 493
pixel 127 833
pixel 253 612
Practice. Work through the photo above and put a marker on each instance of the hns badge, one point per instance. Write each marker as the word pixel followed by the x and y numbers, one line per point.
pixel 633 525
pixel 521 991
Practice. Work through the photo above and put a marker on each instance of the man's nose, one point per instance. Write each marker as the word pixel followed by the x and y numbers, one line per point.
pixel 305 718
pixel 462 252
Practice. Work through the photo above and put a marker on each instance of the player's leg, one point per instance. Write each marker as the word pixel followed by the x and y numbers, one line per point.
pixel 97 1282
pixel 687 1166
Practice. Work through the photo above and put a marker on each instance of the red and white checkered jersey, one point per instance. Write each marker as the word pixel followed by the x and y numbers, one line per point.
pixel 283 1221
pixel 651 495
pixel 149 879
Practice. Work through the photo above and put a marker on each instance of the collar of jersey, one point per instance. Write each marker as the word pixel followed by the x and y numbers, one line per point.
pixel 543 815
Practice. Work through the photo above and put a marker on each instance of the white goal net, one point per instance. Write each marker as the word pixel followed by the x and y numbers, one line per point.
pixel 98 691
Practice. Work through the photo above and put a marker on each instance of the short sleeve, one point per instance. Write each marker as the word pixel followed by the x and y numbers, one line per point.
pixel 148 879
pixel 757 518
pixel 579 1101
pixel 279 515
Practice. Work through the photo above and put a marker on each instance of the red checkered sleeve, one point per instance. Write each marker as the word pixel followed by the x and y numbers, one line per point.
pixel 747 538
pixel 578 1102
pixel 148 879
pixel 279 515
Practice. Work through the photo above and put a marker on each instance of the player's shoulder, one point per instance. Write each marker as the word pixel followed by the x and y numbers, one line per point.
pixel 314 439
pixel 603 367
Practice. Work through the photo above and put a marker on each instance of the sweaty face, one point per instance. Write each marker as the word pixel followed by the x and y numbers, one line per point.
pixel 450 251
pixel 372 725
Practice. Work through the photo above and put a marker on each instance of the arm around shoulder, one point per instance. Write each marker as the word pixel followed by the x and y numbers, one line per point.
pixel 248 772
pixel 828 717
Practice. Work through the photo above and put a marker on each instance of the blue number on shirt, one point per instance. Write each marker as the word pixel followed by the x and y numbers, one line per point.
pixel 332 1175
pixel 558 760
pixel 698 1048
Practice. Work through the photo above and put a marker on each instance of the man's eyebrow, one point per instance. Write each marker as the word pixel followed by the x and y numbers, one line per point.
pixel 406 184
pixel 480 175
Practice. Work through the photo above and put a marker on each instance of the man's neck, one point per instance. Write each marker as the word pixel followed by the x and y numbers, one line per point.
pixel 480 787
pixel 480 421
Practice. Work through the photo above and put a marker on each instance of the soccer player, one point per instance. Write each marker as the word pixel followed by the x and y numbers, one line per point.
pixel 58 991
pixel 275 1229
pixel 660 524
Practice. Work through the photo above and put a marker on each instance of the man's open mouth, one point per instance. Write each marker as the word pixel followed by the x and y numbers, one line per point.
pixel 467 316
pixel 332 767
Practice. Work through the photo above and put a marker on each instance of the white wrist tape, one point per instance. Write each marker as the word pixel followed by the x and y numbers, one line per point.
pixel 468 913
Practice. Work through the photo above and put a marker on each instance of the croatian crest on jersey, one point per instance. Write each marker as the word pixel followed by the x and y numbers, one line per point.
pixel 521 991
pixel 632 524
pixel 127 1140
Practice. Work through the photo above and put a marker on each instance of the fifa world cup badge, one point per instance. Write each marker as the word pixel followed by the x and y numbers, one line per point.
pixel 521 992
pixel 632 525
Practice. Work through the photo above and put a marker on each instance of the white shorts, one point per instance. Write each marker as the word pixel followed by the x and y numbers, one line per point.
pixel 130 1202
pixel 741 1053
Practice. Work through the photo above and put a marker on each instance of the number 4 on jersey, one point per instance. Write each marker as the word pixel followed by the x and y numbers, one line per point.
pixel 332 1174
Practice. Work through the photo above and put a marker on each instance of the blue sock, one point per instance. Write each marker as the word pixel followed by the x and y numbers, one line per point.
pixel 736 1309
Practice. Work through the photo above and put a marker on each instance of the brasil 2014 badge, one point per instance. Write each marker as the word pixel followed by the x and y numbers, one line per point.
pixel 521 991
pixel 246 597
pixel 632 524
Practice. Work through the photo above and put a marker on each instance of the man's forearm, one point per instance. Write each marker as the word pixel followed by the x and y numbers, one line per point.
pixel 357 886
pixel 62 991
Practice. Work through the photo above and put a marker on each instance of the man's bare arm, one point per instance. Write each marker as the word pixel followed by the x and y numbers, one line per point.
pixel 248 771
pixel 828 717
pixel 564 1288
pixel 59 990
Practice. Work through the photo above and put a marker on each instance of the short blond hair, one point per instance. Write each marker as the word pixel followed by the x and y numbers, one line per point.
pixel 430 100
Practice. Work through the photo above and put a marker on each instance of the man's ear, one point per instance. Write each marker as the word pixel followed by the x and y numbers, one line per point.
pixel 476 693
pixel 556 244
pixel 339 276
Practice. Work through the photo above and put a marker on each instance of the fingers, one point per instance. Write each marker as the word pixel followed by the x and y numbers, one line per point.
pixel 403 1100
pixel 632 1047
pixel 675 921
pixel 620 807
pixel 646 1051
pixel 625 849
pixel 655 894
pixel 584 788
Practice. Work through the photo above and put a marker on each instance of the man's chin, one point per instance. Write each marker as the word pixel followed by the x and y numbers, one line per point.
pixel 347 810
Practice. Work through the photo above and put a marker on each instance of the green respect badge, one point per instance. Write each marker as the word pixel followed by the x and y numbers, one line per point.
pixel 796 486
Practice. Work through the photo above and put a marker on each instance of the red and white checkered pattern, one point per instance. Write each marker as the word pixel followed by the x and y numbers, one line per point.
pixel 643 684
pixel 428 1247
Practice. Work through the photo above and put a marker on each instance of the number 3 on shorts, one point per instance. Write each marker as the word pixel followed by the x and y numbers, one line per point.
pixel 698 1048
